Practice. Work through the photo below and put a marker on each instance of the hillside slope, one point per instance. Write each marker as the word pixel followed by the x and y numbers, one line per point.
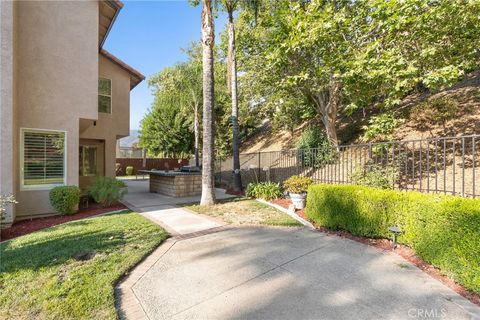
pixel 415 111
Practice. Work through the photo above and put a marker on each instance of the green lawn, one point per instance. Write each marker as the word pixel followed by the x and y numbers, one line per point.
pixel 69 271
pixel 246 212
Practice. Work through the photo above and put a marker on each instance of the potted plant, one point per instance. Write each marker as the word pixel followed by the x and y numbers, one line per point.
pixel 297 187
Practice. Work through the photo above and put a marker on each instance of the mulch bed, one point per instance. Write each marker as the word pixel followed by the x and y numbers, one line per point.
pixel 386 245
pixel 28 226
pixel 285 203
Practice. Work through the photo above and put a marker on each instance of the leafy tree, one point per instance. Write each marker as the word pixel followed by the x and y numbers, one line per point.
pixel 345 55
pixel 176 111
pixel 165 131
pixel 181 86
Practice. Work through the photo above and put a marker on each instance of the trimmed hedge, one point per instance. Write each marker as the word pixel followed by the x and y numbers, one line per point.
pixel 443 230
pixel 65 199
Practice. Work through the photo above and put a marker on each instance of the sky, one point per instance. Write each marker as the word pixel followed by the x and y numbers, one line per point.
pixel 149 35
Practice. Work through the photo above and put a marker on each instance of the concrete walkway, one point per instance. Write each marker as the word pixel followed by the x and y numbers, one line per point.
pixel 165 210
pixel 283 273
pixel 140 199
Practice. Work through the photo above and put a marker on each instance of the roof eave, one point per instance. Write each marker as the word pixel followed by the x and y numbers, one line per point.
pixel 135 76
pixel 117 5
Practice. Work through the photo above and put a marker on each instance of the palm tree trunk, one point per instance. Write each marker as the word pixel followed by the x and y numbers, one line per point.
pixel 208 38
pixel 196 133
pixel 237 178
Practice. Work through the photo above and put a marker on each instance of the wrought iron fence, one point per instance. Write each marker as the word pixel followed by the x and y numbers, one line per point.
pixel 449 165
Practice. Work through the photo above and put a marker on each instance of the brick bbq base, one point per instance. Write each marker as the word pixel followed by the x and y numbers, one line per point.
pixel 176 185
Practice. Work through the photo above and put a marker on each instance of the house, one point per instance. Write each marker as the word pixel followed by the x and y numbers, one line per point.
pixel 128 147
pixel 64 99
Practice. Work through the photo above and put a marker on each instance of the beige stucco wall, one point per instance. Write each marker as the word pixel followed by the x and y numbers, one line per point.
pixel 7 114
pixel 56 80
pixel 111 127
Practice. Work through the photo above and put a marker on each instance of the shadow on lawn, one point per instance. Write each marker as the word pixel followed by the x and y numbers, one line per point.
pixel 54 246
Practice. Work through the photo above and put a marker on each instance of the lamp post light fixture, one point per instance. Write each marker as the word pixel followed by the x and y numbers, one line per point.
pixel 395 231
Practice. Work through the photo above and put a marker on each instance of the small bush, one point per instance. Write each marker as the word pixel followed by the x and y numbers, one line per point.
pixel 107 191
pixel 4 202
pixel 264 190
pixel 129 170
pixel 297 184
pixel 442 230
pixel 315 150
pixel 374 175
pixel 65 199
pixel 380 127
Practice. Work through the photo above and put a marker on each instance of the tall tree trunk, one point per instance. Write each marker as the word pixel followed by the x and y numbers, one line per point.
pixel 327 103
pixel 208 38
pixel 237 178
pixel 196 133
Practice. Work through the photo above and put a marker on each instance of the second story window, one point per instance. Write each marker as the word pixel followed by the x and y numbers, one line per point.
pixel 104 95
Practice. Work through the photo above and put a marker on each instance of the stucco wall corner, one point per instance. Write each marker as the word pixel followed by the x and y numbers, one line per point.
pixel 6 106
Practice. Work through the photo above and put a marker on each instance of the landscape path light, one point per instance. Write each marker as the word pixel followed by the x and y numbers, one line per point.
pixel 395 232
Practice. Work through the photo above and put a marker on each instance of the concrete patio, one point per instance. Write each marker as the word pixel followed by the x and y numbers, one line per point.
pixel 211 271
pixel 285 273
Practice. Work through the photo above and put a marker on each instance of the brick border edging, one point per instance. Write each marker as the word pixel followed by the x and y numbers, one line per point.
pixel 126 302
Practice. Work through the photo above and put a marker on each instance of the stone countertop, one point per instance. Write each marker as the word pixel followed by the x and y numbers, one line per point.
pixel 162 173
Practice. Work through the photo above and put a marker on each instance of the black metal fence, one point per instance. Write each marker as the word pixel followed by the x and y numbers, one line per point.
pixel 449 165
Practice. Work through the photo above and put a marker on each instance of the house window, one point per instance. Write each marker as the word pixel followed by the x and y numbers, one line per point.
pixel 104 95
pixel 43 158
pixel 88 161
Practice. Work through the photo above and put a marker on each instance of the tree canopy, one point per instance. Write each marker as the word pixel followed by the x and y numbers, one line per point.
pixel 169 126
pixel 339 55
pixel 316 60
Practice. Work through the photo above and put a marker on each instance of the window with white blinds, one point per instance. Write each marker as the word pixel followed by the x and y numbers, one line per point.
pixel 43 157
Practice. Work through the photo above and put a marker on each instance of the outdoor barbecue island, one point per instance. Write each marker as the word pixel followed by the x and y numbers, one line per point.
pixel 175 183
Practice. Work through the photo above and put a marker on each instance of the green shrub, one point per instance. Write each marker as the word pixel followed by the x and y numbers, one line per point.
pixel 4 202
pixel 297 184
pixel 264 190
pixel 315 150
pixel 377 176
pixel 129 170
pixel 380 127
pixel 107 191
pixel 442 230
pixel 65 199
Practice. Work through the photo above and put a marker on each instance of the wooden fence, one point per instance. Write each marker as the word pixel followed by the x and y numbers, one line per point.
pixel 150 163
